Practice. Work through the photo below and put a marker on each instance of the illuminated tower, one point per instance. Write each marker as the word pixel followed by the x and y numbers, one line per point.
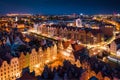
pixel 36 27
pixel 16 19
pixel 79 22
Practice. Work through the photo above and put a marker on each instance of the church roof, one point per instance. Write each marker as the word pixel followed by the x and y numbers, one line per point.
pixel 27 76
pixel 8 41
pixel 117 41
pixel 18 41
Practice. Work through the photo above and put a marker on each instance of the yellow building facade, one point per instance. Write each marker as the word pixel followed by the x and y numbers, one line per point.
pixel 10 71
pixel 33 60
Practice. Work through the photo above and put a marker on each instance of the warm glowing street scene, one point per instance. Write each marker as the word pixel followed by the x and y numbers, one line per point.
pixel 59 40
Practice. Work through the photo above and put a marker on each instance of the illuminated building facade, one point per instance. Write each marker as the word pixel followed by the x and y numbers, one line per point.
pixel 79 23
pixel 10 71
pixel 92 36
pixel 115 46
pixel 36 59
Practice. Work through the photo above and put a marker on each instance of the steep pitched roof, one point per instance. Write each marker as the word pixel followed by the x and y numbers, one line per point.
pixel 27 76
pixel 1 61
pixel 117 41
pixel 18 41
pixel 95 31
pixel 8 57
pixel 8 41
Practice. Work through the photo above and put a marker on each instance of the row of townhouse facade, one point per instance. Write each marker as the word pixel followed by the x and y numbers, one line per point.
pixel 89 36
pixel 13 69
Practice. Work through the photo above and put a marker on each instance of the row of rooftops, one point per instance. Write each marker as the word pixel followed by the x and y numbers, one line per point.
pixel 70 28
pixel 6 49
pixel 10 39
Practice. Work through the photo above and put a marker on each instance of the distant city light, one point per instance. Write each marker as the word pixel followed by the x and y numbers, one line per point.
pixel 118 14
pixel 49 40
pixel 118 52
pixel 81 14
pixel 16 19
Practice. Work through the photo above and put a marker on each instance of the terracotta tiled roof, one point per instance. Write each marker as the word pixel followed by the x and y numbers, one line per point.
pixel 77 47
pixel 66 44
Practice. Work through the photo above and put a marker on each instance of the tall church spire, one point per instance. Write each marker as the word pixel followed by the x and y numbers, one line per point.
pixel 8 41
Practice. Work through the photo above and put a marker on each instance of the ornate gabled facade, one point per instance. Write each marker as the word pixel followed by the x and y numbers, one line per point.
pixel 22 61
pixel 10 71
pixel 91 36
pixel 115 45
pixel 35 60
pixel 14 67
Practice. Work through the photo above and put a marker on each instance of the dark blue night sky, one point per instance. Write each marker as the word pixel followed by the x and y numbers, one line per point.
pixel 60 6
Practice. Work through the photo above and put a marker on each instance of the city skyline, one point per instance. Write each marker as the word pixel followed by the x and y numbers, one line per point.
pixel 59 40
pixel 60 6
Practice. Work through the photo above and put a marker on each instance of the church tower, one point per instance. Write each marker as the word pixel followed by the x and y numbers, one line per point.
pixel 79 22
